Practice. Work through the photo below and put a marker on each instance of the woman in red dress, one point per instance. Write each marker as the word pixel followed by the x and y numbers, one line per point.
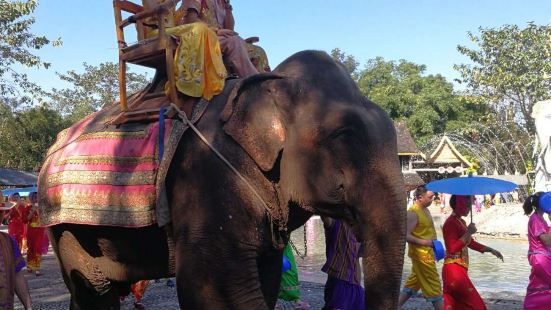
pixel 16 220
pixel 459 291
pixel 35 236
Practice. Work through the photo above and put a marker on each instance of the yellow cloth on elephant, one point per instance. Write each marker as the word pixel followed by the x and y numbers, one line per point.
pixel 199 68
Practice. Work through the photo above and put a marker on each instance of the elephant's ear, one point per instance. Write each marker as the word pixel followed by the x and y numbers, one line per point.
pixel 252 118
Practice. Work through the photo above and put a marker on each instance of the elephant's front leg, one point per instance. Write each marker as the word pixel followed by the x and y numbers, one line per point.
pixel 269 267
pixel 216 276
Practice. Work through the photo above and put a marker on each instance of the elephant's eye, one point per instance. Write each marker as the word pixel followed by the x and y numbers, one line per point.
pixel 345 132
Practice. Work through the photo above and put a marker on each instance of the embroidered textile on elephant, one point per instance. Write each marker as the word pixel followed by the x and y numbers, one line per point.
pixel 96 174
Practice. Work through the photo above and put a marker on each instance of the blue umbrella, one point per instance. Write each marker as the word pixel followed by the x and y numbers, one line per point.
pixel 471 186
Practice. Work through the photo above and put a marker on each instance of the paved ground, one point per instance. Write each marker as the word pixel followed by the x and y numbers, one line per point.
pixel 49 292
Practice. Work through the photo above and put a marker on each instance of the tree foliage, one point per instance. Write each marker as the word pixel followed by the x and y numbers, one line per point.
pixel 25 136
pixel 349 61
pixel 27 130
pixel 511 69
pixel 427 103
pixel 91 90
pixel 16 45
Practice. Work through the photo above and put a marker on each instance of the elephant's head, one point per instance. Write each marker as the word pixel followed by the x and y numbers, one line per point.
pixel 330 150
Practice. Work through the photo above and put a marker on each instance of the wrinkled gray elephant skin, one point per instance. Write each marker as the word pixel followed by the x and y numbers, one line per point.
pixel 309 143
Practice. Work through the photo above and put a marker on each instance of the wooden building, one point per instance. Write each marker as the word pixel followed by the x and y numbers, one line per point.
pixel 407 152
pixel 444 161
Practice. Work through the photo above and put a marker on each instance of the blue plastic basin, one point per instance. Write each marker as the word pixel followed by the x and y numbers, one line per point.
pixel 438 248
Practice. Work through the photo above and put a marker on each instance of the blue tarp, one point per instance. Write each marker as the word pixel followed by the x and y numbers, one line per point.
pixel 11 177
pixel 23 191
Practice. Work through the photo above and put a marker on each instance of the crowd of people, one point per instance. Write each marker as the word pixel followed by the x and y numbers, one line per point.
pixel 21 219
pixel 454 290
pixel 24 227
pixel 442 200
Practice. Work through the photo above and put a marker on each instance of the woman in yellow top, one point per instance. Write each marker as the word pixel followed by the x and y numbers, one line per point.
pixel 420 233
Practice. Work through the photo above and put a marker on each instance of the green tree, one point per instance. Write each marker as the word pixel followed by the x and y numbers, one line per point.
pixel 428 103
pixel 349 61
pixel 26 136
pixel 511 69
pixel 92 89
pixel 16 44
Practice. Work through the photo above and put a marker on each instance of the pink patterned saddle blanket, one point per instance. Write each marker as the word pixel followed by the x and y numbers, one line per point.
pixel 103 175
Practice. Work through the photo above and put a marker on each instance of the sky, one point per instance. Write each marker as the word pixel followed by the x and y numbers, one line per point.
pixel 422 31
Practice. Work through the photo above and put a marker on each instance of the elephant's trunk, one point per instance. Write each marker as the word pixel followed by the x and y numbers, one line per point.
pixel 383 232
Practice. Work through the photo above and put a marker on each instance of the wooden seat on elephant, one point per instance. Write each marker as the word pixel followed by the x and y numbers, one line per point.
pixel 154 49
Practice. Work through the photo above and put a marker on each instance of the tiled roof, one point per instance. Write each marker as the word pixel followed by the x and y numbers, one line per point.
pixel 406 145
pixel 446 152
pixel 10 177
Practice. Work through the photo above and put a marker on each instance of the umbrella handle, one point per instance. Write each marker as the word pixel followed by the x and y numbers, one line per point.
pixel 471 207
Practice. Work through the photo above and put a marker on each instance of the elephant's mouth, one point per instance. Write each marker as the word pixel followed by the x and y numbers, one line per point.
pixel 353 219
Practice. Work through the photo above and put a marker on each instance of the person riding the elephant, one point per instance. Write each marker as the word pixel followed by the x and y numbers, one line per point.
pixel 198 64
pixel 208 47
pixel 420 233
pixel 217 14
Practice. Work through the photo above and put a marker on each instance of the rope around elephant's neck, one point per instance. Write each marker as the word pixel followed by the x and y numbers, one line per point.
pixel 281 220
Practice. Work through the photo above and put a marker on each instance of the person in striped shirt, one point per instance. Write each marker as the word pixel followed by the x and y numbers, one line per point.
pixel 343 288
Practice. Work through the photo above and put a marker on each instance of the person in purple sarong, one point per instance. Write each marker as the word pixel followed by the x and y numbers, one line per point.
pixel 218 15
pixel 343 288
pixel 538 292
pixel 11 278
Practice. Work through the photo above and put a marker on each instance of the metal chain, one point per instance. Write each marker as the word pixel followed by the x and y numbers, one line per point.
pixel 302 256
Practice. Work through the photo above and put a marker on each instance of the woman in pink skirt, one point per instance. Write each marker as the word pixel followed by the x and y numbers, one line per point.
pixel 538 293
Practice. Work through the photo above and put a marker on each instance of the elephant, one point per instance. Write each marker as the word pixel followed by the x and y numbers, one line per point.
pixel 308 143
